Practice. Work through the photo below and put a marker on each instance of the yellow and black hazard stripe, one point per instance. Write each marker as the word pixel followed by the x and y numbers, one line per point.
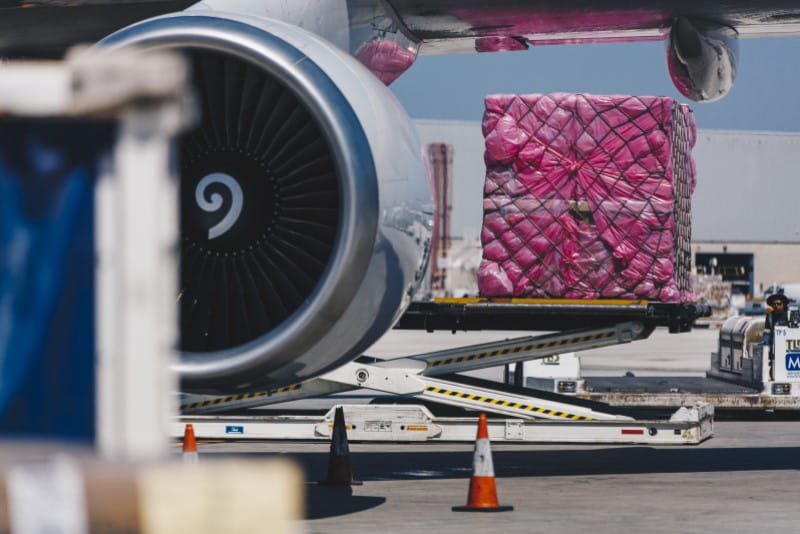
pixel 516 405
pixel 541 302
pixel 523 348
pixel 224 400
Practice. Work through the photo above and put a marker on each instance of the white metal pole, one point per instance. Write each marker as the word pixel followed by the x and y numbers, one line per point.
pixel 137 229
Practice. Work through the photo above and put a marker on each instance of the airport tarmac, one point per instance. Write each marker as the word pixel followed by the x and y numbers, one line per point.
pixel 745 479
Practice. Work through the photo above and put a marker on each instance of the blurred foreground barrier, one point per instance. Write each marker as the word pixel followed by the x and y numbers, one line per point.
pixel 64 492
pixel 88 233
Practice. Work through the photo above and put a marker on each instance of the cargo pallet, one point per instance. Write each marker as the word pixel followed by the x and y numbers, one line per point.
pixel 547 314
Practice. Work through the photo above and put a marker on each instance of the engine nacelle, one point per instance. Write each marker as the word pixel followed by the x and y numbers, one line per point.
pixel 701 59
pixel 306 203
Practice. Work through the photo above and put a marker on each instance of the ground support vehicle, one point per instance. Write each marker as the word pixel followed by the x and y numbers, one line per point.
pixel 744 376
pixel 420 381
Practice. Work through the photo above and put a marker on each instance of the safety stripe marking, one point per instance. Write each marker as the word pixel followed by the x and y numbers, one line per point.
pixel 243 396
pixel 526 348
pixel 517 406
pixel 560 302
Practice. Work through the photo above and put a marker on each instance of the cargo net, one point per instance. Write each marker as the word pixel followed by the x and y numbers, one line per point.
pixel 587 197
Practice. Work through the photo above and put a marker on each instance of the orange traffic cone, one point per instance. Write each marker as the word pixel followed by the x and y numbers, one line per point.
pixel 482 491
pixel 339 470
pixel 189 446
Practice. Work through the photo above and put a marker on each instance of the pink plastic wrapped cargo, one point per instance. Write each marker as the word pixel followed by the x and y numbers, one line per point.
pixel 587 197
pixel 386 59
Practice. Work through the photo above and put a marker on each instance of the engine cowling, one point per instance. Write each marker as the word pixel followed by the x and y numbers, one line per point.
pixel 306 204
pixel 701 59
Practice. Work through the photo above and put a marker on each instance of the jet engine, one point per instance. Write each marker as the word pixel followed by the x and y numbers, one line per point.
pixel 701 59
pixel 306 205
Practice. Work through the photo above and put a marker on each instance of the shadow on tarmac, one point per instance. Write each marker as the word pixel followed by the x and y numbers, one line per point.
pixel 375 466
pixel 332 501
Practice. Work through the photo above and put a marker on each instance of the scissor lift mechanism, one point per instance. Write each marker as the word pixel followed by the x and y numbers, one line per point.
pixel 516 414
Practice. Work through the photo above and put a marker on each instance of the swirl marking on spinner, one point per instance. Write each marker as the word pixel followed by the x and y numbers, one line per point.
pixel 214 202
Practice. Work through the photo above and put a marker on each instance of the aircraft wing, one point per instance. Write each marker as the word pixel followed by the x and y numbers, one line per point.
pixel 452 25
pixel 48 27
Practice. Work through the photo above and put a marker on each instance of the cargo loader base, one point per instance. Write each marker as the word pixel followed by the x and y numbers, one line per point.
pixel 515 414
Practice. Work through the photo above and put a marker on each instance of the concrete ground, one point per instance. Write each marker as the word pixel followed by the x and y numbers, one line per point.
pixel 745 479
pixel 742 480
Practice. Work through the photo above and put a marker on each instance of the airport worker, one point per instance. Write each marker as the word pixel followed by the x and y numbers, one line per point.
pixel 777 314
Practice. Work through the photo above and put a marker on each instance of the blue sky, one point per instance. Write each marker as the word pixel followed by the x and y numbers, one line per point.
pixel 766 95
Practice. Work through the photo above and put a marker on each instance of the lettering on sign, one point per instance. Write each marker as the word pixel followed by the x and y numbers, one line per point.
pixel 792 344
pixel 793 361
pixel 378 426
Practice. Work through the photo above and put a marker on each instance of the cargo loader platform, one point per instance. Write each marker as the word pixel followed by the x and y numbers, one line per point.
pixel 546 314
pixel 417 381
pixel 415 423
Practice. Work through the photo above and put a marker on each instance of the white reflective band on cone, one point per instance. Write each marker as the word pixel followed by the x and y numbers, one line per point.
pixel 482 463
pixel 190 458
